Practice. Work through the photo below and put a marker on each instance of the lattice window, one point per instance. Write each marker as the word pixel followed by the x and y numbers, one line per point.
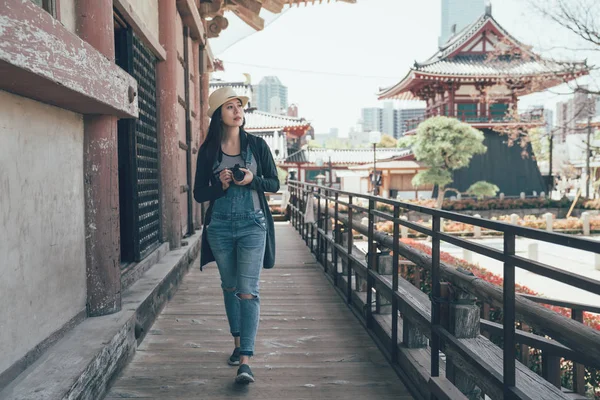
pixel 146 151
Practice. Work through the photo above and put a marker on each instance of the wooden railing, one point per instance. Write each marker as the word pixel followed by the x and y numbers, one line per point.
pixel 447 319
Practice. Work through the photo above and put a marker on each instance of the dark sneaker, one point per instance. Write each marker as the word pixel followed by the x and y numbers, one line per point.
pixel 244 374
pixel 235 357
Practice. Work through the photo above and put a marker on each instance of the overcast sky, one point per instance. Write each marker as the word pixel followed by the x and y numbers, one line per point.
pixel 334 57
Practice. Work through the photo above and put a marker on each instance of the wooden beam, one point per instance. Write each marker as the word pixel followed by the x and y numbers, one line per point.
pixel 215 26
pixel 191 18
pixel 210 10
pixel 210 59
pixel 86 85
pixel 252 6
pixel 274 6
pixel 250 18
pixel 128 13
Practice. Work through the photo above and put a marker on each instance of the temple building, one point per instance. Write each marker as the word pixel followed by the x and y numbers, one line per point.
pixel 284 135
pixel 477 76
pixel 333 165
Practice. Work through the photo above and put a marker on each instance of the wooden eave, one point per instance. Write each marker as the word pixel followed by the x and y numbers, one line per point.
pixel 401 87
pixel 249 10
pixel 191 18
pixel 416 80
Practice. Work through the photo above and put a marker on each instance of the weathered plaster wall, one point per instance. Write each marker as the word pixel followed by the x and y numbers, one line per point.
pixel 42 248
pixel 148 12
pixel 67 14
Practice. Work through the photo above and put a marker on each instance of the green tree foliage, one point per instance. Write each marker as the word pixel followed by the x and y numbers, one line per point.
pixel 387 141
pixel 282 175
pixel 444 145
pixel 313 144
pixel 337 143
pixel 483 189
pixel 540 142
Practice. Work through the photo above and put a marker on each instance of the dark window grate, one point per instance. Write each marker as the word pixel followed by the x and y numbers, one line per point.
pixel 146 175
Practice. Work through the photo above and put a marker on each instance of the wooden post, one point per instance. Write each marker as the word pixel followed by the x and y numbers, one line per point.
pixel 101 175
pixel 169 125
pixel 485 314
pixel 578 369
pixel 344 238
pixel 384 267
pixel 417 276
pixel 551 368
pixel 412 337
pixel 463 324
pixel 524 348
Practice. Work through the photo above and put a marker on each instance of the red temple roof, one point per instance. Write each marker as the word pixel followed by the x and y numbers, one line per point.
pixel 482 52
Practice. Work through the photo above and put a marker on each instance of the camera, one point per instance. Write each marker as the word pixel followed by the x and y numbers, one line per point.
pixel 238 174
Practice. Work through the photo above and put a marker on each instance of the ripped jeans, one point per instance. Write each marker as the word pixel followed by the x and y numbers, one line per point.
pixel 238 244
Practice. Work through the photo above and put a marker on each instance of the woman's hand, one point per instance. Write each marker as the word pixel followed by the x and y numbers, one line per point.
pixel 225 177
pixel 248 176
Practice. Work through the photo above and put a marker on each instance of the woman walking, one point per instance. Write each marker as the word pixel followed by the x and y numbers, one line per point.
pixel 233 172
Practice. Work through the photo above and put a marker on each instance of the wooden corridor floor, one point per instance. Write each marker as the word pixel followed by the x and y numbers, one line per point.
pixel 309 344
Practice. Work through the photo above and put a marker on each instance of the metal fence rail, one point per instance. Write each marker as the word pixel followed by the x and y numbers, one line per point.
pixel 572 340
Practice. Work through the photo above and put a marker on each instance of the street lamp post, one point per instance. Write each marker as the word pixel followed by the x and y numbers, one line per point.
pixel 329 154
pixel 374 138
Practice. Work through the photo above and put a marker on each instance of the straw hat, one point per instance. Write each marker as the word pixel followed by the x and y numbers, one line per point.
pixel 222 96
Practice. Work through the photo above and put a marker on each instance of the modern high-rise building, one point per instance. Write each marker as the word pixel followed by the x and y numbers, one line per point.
pixel 389 120
pixel 458 14
pixel 371 119
pixel 271 95
pixel 407 114
pixel 570 113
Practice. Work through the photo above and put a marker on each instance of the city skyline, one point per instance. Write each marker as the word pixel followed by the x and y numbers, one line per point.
pixel 389 119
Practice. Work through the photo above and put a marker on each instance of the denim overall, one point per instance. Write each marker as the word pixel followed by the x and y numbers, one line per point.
pixel 237 235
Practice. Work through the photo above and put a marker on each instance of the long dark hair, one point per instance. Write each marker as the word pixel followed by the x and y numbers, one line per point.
pixel 212 144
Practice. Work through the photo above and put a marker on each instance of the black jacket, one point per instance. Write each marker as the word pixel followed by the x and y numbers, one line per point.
pixel 208 188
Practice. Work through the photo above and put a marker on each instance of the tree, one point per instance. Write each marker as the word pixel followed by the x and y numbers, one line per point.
pixel 540 143
pixel 313 144
pixel 444 145
pixel 483 189
pixel 337 143
pixel 387 141
pixel 580 18
pixel 282 174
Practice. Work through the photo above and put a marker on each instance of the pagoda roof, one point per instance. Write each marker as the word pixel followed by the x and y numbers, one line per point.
pixel 465 57
pixel 344 156
pixel 260 121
